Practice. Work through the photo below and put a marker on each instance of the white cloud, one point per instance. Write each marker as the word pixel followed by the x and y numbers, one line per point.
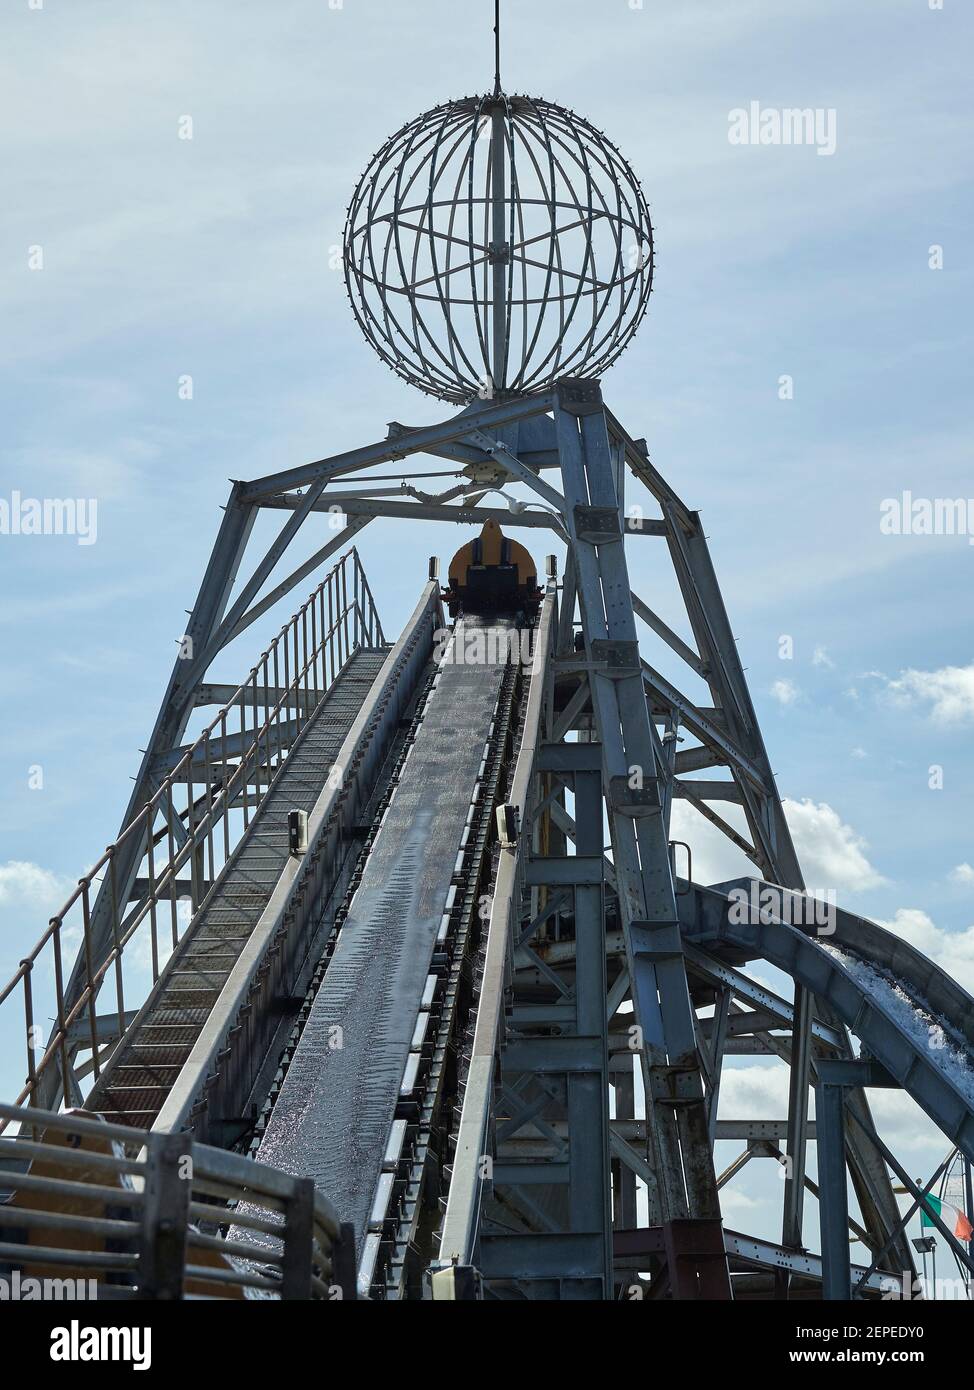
pixel 947 694
pixel 733 1201
pixel 715 858
pixel 904 1126
pixel 29 897
pixel 753 1092
pixel 859 753
pixel 23 884
pixel 962 874
pixel 820 657
pixel 786 692
pixel 831 853
pixel 953 951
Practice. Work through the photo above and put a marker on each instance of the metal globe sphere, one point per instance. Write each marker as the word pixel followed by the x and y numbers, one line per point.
pixel 495 244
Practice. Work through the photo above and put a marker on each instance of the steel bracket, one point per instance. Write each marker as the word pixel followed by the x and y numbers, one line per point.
pixel 634 801
pixel 656 940
pixel 597 525
pixel 580 396
pixel 616 658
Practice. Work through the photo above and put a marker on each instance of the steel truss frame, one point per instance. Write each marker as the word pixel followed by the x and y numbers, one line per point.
pixel 593 989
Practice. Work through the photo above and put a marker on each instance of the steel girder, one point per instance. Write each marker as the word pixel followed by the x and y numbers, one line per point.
pixel 212 625
pixel 733 736
pixel 519 438
pixel 730 736
pixel 171 721
pixel 859 974
pixel 535 1226
pixel 686 1186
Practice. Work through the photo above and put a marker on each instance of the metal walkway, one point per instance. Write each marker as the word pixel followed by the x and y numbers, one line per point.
pixel 136 1083
pixel 353 1072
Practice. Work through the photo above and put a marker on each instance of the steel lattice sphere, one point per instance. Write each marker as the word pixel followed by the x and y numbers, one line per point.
pixel 495 244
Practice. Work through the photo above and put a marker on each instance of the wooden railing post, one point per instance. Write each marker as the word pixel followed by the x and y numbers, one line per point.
pixel 299 1226
pixel 165 1216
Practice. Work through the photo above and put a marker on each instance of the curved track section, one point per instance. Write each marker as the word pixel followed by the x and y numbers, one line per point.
pixel 909 1014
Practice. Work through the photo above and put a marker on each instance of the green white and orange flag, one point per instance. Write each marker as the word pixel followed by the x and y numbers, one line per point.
pixel 952 1217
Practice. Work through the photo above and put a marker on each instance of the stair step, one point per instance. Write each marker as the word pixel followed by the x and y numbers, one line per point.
pixel 174 1017
pixel 157 1054
pixel 184 977
pixel 227 931
pixel 144 1098
pixel 135 1077
pixel 135 1119
pixel 215 950
pixel 202 998
pixel 138 1081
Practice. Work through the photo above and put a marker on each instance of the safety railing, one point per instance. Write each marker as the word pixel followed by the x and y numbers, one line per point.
pixel 458 1237
pixel 183 838
pixel 94 1210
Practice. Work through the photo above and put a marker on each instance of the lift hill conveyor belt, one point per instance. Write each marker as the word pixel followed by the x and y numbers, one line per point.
pixel 345 1095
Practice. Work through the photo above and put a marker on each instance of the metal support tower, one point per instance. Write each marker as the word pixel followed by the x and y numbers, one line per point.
pixel 686 1188
pixel 601 1180
pixel 575 1155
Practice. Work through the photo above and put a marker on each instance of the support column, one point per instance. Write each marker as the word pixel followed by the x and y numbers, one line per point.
pixel 680 1149
pixel 588 1094
pixel 833 1197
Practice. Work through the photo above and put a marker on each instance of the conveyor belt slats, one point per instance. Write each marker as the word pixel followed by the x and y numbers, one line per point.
pixel 335 1112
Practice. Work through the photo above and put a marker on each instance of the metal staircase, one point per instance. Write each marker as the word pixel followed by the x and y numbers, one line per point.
pixel 139 1078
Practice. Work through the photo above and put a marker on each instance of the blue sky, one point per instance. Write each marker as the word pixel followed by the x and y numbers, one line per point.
pixel 210 257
